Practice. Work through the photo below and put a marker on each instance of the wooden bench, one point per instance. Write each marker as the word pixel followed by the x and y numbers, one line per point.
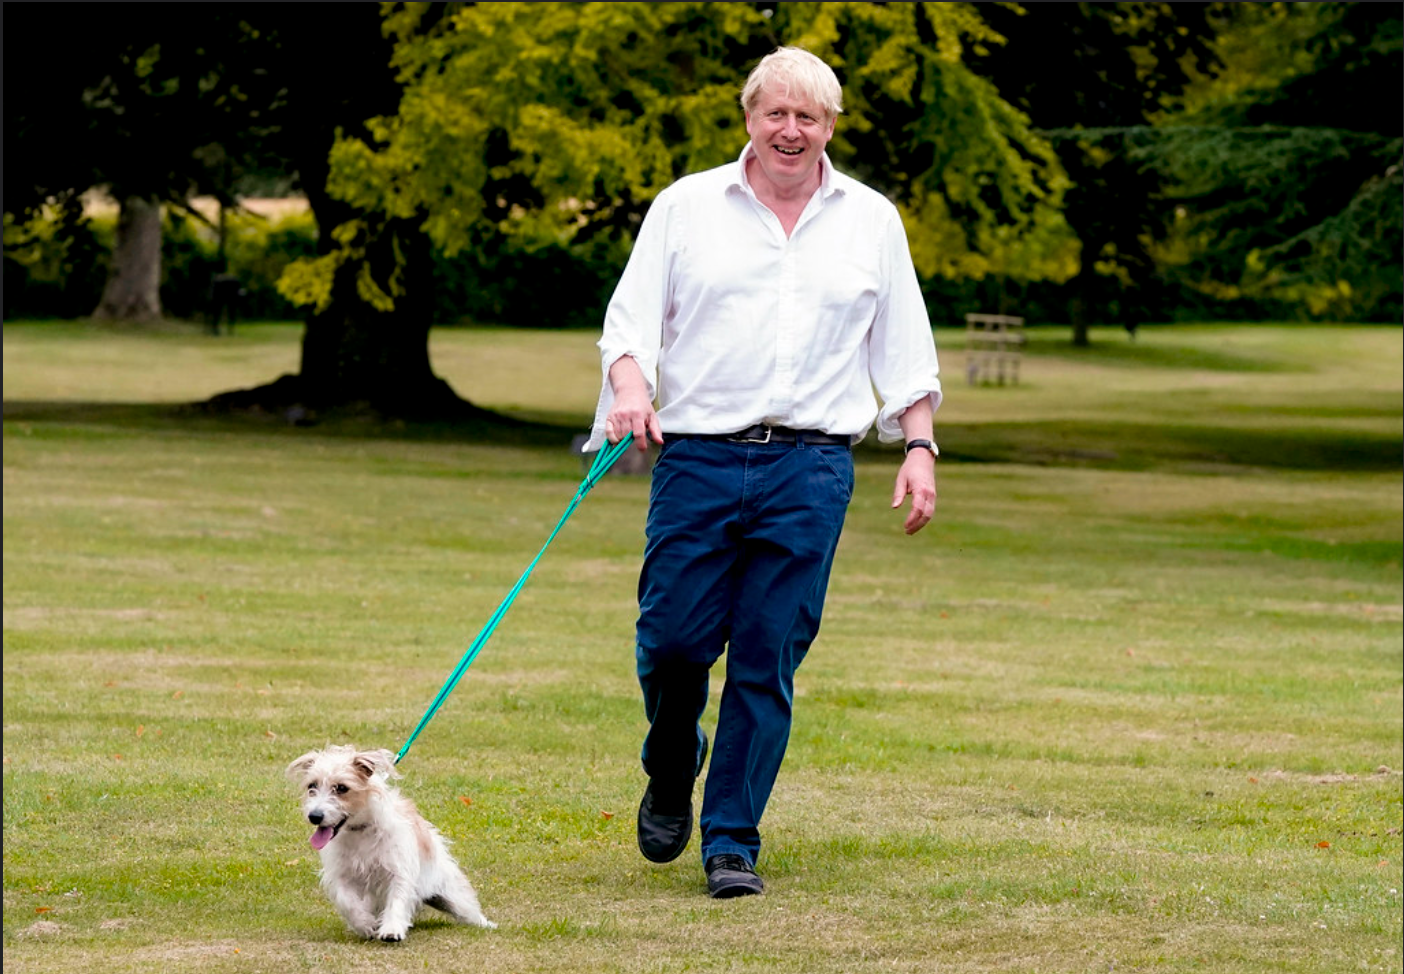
pixel 994 345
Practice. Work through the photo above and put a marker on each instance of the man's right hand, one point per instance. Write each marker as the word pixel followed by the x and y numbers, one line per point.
pixel 632 411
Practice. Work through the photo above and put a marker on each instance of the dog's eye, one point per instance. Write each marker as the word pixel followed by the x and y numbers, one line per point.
pixel 311 789
pixel 342 789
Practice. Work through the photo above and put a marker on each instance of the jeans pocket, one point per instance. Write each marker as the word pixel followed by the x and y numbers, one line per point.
pixel 839 462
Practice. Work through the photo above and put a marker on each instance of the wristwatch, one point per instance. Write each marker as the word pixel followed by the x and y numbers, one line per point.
pixel 920 445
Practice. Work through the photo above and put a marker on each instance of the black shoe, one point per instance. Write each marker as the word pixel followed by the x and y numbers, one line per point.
pixel 665 815
pixel 731 875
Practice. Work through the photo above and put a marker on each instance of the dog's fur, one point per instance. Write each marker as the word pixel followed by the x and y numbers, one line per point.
pixel 380 860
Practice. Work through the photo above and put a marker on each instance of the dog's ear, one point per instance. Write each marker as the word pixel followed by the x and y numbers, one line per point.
pixel 301 766
pixel 369 763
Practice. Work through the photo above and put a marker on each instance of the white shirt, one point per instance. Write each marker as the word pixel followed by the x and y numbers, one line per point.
pixel 732 323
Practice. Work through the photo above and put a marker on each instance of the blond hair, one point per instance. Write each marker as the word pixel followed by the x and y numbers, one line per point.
pixel 797 72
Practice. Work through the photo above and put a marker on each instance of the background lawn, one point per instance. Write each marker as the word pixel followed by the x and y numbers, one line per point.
pixel 1132 702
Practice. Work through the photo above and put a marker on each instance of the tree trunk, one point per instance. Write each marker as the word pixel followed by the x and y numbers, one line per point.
pixel 133 288
pixel 357 357
pixel 1077 310
pixel 355 354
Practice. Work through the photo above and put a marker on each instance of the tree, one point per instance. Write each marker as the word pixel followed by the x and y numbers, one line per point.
pixel 547 123
pixel 357 348
pixel 981 192
pixel 159 102
pixel 1085 73
pixel 1286 160
pixel 145 104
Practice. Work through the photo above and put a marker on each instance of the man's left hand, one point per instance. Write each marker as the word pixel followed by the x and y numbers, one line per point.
pixel 917 478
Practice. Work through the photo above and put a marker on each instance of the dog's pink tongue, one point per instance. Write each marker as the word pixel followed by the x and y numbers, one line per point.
pixel 321 837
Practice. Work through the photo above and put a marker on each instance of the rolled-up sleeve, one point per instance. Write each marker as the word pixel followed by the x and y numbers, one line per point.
pixel 633 322
pixel 901 349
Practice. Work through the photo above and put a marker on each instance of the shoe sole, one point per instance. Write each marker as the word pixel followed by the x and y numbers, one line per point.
pixel 735 890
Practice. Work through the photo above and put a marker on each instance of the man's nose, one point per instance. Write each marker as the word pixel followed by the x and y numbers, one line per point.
pixel 791 129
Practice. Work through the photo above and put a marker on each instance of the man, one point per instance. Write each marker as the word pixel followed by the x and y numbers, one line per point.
pixel 762 305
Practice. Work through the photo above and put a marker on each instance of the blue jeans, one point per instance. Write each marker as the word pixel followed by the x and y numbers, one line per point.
pixel 741 538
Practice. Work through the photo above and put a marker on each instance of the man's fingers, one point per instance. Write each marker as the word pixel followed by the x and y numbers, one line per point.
pixel 923 496
pixel 900 491
pixel 644 426
pixel 919 516
pixel 615 430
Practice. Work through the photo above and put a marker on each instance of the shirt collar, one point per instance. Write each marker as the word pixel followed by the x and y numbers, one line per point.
pixel 827 186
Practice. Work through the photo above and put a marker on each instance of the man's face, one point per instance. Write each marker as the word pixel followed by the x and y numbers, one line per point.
pixel 788 133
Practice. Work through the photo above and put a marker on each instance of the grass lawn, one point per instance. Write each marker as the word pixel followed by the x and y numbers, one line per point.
pixel 1132 702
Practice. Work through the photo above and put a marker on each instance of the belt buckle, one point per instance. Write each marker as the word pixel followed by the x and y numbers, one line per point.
pixel 753 439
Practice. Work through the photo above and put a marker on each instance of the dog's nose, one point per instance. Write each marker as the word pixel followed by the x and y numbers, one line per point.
pixel 315 817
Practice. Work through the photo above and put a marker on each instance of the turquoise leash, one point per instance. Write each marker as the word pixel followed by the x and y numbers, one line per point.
pixel 604 459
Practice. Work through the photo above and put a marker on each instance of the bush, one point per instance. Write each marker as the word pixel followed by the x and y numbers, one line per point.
pixel 552 287
pixel 256 249
pixel 56 264
pixel 55 267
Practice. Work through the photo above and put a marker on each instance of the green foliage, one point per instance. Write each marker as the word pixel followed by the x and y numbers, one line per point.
pixel 1287 160
pixel 1283 212
pixel 164 103
pixel 543 287
pixel 1074 67
pixel 552 125
pixel 1257 49
pixel 56 262
pixel 256 251
pixel 55 267
pixel 980 192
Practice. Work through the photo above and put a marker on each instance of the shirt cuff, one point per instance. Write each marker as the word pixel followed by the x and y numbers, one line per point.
pixel 889 430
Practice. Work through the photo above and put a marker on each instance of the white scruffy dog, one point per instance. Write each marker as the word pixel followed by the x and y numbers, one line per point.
pixel 380 860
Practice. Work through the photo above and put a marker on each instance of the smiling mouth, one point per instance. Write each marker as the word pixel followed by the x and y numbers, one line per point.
pixel 324 834
pixel 787 152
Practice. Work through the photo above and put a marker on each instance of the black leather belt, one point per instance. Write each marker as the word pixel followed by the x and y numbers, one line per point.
pixel 761 433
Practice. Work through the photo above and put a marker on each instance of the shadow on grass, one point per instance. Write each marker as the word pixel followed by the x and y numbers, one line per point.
pixel 1143 446
pixel 1111 445
pixel 1151 355
pixel 118 418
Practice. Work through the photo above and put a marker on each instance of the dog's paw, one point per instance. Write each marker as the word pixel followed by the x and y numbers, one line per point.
pixel 365 931
pixel 391 935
